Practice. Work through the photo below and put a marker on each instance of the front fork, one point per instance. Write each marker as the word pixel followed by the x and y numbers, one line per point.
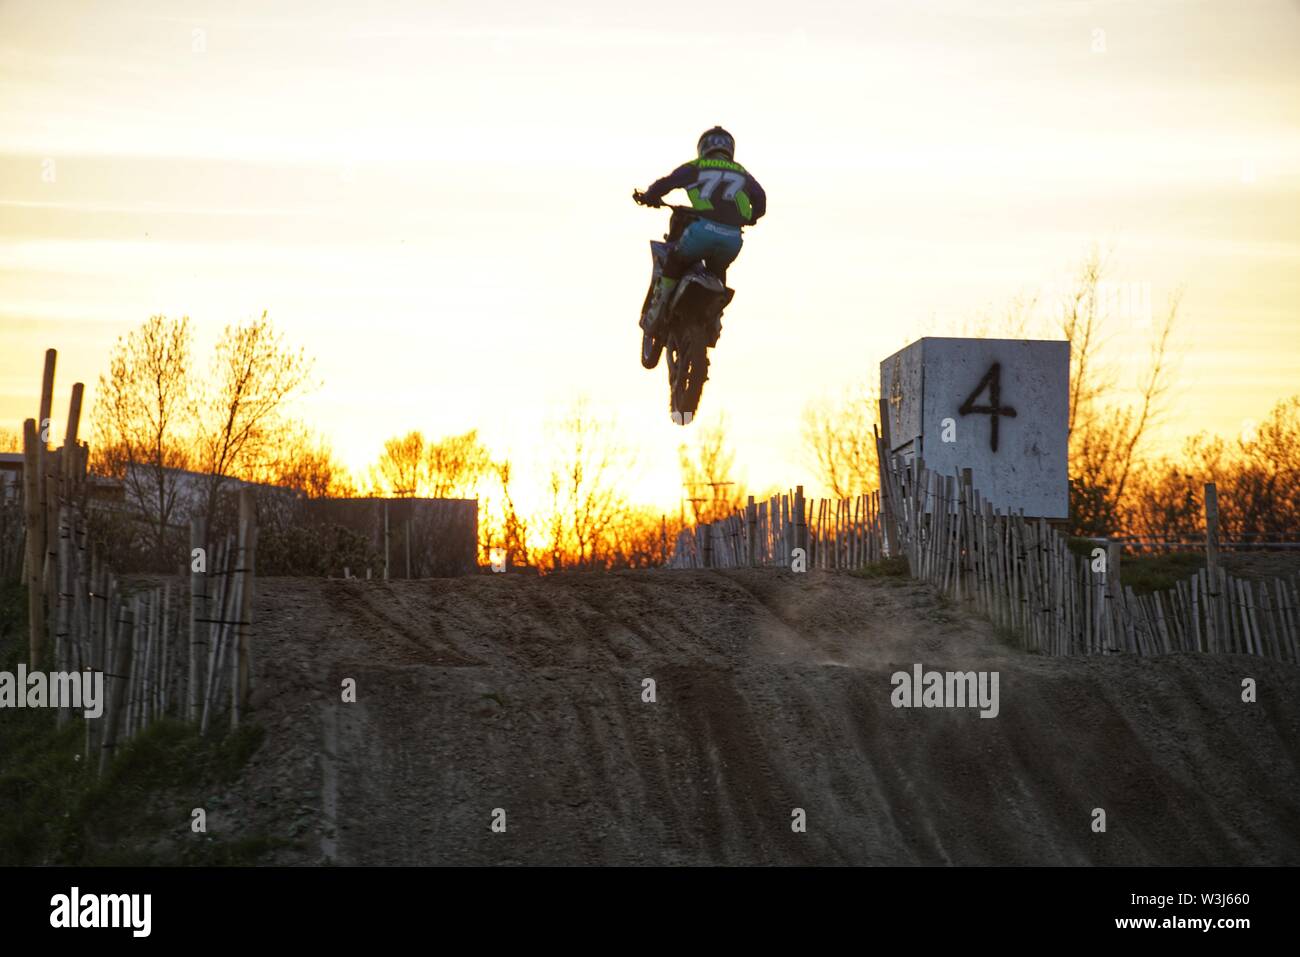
pixel 656 273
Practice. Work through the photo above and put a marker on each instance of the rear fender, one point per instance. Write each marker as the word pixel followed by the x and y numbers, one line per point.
pixel 701 294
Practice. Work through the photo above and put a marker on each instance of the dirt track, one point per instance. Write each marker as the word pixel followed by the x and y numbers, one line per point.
pixel 773 693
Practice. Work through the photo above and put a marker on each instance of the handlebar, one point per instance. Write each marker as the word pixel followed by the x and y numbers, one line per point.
pixel 636 196
pixel 680 209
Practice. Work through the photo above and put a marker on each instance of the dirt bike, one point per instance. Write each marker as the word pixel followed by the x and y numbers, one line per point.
pixel 690 324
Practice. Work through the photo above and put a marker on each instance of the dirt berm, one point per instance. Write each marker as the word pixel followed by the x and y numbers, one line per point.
pixel 772 693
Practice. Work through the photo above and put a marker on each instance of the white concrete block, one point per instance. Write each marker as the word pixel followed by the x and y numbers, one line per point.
pixel 940 399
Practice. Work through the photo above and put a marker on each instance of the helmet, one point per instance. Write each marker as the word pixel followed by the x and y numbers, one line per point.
pixel 716 140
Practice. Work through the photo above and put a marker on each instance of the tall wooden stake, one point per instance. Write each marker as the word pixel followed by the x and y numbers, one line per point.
pixel 1213 594
pixel 70 458
pixel 118 682
pixel 199 625
pixel 243 628
pixel 35 558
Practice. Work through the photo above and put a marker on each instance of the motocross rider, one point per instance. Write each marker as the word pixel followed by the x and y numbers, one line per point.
pixel 724 197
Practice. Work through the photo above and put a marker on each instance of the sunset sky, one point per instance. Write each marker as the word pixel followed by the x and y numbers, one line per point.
pixel 433 197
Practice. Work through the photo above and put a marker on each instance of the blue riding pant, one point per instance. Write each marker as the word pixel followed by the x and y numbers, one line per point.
pixel 718 245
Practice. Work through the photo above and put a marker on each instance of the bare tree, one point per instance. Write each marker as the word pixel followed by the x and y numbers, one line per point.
pixel 142 414
pixel 401 465
pixel 1262 499
pixel 254 375
pixel 1257 474
pixel 1107 435
pixel 839 438
pixel 1165 502
pixel 500 524
pixel 643 537
pixel 584 485
pixel 306 463
pixel 1150 408
pixel 456 465
pixel 1082 327
pixel 707 466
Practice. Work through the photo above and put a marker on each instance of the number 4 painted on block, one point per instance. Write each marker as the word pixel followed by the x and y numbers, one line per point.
pixel 993 382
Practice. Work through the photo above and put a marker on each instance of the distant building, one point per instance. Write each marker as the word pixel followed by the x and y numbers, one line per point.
pixel 409 537
pixel 188 491
pixel 11 476
pixel 414 537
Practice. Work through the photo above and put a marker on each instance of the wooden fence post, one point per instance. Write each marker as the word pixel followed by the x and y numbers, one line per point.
pixel 63 604
pixel 1114 596
pixel 1213 592
pixel 43 424
pixel 1211 527
pixel 120 679
pixel 70 458
pixel 198 619
pixel 243 627
pixel 800 522
pixel 35 559
pixel 751 525
pixel 47 393
pixel 225 608
pixel 50 570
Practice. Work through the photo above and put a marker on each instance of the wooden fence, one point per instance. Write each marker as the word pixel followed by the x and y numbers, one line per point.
pixel 1019 572
pixel 832 534
pixel 1023 575
pixel 162 652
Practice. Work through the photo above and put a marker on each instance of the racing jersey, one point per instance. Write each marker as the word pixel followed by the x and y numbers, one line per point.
pixel 719 189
